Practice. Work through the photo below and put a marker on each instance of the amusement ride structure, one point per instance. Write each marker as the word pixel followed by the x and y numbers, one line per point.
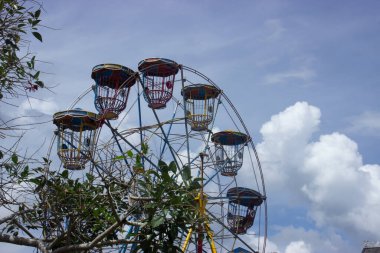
pixel 173 113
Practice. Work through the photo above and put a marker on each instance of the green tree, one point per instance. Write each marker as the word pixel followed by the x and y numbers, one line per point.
pixel 57 212
pixel 169 207
pixel 19 21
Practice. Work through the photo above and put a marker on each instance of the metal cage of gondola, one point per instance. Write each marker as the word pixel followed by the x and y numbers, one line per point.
pixel 200 104
pixel 242 206
pixel 112 85
pixel 76 133
pixel 229 151
pixel 158 76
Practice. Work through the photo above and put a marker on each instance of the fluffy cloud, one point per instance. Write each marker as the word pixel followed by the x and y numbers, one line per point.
pixel 327 176
pixel 343 192
pixel 298 240
pixel 331 165
pixel 285 138
pixel 298 247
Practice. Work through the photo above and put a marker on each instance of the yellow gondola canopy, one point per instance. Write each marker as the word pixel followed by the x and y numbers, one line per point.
pixel 160 67
pixel 229 138
pixel 117 75
pixel 200 92
pixel 77 120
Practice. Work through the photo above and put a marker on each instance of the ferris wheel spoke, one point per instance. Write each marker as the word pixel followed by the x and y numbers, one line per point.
pixel 140 119
pixel 131 145
pixel 170 127
pixel 186 127
pixel 119 147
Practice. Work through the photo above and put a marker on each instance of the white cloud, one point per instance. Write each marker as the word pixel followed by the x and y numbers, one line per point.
pixel 303 74
pixel 331 164
pixel 285 138
pixel 48 106
pixel 343 192
pixel 327 176
pixel 298 247
pixel 297 239
pixel 368 123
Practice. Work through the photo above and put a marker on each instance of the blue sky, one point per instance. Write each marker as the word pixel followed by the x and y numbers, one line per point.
pixel 304 76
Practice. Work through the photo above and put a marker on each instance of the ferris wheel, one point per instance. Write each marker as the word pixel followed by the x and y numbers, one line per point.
pixel 169 112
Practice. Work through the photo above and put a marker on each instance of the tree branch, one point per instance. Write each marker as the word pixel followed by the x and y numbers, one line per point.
pixel 24 241
pixel 96 242
pixel 23 228
pixel 11 217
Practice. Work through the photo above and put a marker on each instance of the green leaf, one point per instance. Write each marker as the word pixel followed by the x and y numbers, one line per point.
pixel 153 172
pixel 25 172
pixel 144 148
pixel 195 185
pixel 165 176
pixel 186 173
pixel 32 61
pixel 36 75
pixel 14 158
pixel 173 167
pixel 130 153
pixel 138 159
pixel 90 177
pixel 37 13
pixel 37 35
pixel 40 185
pixel 157 221
pixel 65 174
pixel 35 180
pixel 40 83
pixel 117 158
pixel 162 164
pixel 35 22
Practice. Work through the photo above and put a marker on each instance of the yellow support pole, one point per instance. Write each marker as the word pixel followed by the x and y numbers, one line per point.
pixel 211 236
pixel 202 209
pixel 187 239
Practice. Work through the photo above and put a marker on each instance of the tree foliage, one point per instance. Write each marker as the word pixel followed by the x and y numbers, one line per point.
pixel 19 21
pixel 56 211
pixel 169 209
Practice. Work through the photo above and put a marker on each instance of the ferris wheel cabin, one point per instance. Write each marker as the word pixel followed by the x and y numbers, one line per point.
pixel 229 150
pixel 158 76
pixel 76 137
pixel 112 87
pixel 200 101
pixel 242 206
